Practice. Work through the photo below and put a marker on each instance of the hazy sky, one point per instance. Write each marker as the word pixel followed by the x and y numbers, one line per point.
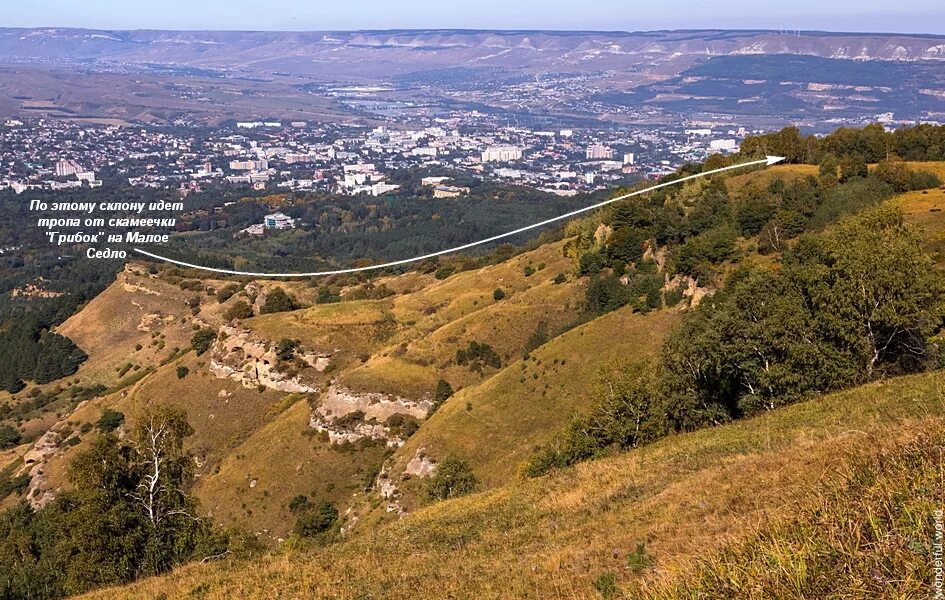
pixel 916 16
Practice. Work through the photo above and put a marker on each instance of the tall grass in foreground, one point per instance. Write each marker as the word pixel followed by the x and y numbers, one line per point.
pixel 868 536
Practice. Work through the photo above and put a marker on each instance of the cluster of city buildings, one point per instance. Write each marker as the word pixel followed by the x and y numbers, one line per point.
pixel 342 158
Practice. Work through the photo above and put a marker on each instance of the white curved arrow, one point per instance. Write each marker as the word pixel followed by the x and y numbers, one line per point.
pixel 768 161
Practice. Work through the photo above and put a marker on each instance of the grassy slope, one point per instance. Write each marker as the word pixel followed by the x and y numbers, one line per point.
pixel 926 209
pixel 740 185
pixel 497 424
pixel 865 536
pixel 511 412
pixel 411 337
pixel 110 326
pixel 280 460
pixel 551 537
pixel 244 435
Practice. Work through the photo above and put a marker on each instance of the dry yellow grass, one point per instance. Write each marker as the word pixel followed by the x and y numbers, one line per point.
pixel 741 185
pixel 926 210
pixel 684 497
pixel 497 424
pixel 127 313
pixel 255 482
pixel 242 435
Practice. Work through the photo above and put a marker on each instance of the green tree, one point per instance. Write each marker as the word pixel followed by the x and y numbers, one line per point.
pixel 9 437
pixel 752 215
pixel 125 515
pixel 626 245
pixel 110 420
pixel 57 357
pixel 453 478
pixel 894 173
pixel 829 166
pixel 239 310
pixel 316 521
pixel 443 392
pixel 202 340
pixel 709 248
pixel 853 166
pixel 604 294
pixel 277 300
pixel 872 288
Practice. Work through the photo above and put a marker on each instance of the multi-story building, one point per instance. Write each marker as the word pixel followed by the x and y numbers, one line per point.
pixel 249 165
pixel 65 168
pixel 449 191
pixel 501 154
pixel 599 152
pixel 278 221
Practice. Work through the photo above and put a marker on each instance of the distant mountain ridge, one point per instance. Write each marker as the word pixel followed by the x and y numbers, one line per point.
pixel 317 53
pixel 812 78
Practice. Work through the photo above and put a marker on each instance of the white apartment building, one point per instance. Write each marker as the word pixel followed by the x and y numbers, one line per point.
pixel 249 165
pixel 65 168
pixel 599 152
pixel 723 145
pixel 501 154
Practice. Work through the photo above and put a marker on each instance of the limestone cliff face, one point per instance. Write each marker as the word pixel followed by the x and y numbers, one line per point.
pixel 239 356
pixel 690 287
pixel 376 409
pixel 37 458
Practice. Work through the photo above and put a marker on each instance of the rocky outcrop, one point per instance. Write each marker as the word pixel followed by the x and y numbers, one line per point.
pixel 419 466
pixel 333 412
pixel 690 287
pixel 136 288
pixel 151 321
pixel 35 462
pixel 239 356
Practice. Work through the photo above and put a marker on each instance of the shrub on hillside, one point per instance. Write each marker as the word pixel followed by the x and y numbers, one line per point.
pixel 476 355
pixel 453 478
pixel 443 392
pixel 285 348
pixel 239 310
pixel 402 425
pixel 316 521
pixel 9 437
pixel 277 300
pixel 298 503
pixel 202 340
pixel 110 420
pixel 444 271
pixel 901 178
pixel 326 296
pixel 226 292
